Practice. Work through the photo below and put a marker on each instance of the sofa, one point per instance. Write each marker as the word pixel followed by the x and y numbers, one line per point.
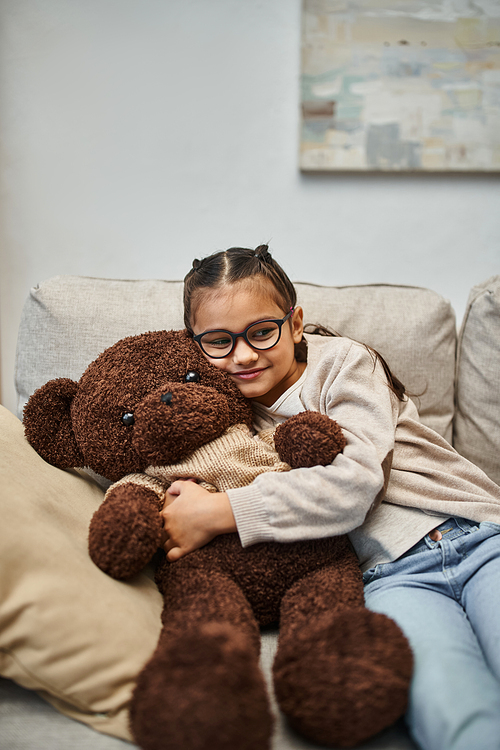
pixel 71 638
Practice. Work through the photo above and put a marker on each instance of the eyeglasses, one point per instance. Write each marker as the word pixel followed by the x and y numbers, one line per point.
pixel 261 335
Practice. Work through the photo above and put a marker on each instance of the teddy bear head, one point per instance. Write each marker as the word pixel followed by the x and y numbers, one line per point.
pixel 148 400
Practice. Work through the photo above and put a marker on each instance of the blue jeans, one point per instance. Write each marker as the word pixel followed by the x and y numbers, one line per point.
pixel 445 596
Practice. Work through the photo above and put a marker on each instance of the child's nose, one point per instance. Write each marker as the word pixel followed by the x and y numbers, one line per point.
pixel 243 352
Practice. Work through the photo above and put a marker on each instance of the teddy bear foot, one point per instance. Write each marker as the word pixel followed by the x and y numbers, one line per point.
pixel 202 690
pixel 345 679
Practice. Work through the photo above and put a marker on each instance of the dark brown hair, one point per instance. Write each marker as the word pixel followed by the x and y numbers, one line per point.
pixel 238 263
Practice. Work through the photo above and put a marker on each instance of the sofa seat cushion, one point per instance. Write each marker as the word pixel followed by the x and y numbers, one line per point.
pixel 477 420
pixel 67 630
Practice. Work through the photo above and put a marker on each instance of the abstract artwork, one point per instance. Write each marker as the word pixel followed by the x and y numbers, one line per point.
pixel 400 85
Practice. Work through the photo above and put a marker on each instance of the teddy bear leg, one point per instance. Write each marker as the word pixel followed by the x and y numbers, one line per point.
pixel 341 673
pixel 125 531
pixel 203 687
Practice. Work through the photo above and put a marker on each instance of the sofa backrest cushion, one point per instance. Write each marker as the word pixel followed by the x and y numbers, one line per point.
pixel 477 418
pixel 414 329
pixel 68 320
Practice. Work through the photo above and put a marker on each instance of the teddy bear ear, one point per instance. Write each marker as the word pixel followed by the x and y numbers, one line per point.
pixel 48 426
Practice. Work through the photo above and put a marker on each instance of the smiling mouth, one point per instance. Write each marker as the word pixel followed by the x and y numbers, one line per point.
pixel 248 374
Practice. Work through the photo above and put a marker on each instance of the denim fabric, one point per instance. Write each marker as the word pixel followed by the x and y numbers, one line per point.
pixel 445 595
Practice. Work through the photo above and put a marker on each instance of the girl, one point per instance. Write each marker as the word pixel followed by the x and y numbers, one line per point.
pixel 424 521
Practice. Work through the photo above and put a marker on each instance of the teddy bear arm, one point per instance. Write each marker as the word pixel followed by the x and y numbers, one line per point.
pixel 309 439
pixel 127 528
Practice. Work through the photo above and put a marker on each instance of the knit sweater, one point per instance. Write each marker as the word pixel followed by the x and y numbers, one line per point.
pixel 232 460
pixel 425 480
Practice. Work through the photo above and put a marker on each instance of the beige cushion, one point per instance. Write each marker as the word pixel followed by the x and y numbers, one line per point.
pixel 477 418
pixel 67 630
pixel 68 320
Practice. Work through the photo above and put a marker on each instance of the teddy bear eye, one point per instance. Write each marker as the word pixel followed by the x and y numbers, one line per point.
pixel 128 419
pixel 192 377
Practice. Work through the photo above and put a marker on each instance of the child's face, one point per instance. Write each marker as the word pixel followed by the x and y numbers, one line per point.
pixel 261 375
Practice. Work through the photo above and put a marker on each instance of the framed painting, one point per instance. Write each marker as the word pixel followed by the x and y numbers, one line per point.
pixel 400 85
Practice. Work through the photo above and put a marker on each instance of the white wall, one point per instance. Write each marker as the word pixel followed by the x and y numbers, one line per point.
pixel 137 134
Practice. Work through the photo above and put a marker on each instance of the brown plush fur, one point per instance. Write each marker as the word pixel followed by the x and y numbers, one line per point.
pixel 341 672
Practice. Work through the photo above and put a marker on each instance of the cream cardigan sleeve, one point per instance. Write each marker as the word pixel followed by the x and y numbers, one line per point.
pixel 346 383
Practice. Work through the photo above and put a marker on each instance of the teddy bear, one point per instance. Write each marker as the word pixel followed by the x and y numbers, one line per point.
pixel 151 409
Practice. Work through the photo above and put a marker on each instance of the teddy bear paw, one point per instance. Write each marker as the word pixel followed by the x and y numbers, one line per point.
pixel 202 690
pixel 309 439
pixel 125 531
pixel 346 678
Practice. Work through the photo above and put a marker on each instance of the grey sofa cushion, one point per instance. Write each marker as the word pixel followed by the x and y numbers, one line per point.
pixel 477 418
pixel 29 723
pixel 413 328
pixel 68 320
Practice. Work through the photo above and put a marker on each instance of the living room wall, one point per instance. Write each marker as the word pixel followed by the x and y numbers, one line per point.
pixel 137 134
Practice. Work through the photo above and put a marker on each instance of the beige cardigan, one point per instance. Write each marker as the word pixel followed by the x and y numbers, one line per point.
pixel 428 481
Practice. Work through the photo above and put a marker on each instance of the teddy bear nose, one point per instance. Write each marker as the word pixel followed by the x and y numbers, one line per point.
pixel 166 398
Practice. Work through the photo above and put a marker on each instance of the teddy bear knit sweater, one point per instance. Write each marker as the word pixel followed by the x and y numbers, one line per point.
pixel 232 460
pixel 395 480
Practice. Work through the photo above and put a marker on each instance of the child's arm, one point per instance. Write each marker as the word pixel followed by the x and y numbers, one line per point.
pixel 346 384
pixel 192 517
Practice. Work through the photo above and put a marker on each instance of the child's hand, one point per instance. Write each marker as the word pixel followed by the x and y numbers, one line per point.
pixel 192 517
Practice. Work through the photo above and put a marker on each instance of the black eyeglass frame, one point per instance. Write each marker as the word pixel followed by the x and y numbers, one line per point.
pixel 243 334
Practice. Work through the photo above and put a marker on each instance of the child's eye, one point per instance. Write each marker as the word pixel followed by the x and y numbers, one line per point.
pixel 220 342
pixel 263 333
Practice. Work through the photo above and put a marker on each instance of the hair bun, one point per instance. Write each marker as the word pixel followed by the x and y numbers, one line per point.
pixel 263 254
